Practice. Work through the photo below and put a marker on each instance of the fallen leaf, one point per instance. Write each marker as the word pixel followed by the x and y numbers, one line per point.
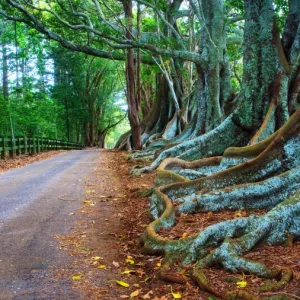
pixel 129 261
pixel 116 264
pixel 97 257
pixel 135 293
pixel 147 279
pixel 158 264
pixel 124 296
pixel 87 201
pixel 175 295
pixel 184 235
pixel 122 283
pixel 90 191
pixel 76 277
pixel 102 267
pixel 241 284
pixel 85 249
pixel 71 214
pixel 128 272
pixel 238 214
pixel 147 296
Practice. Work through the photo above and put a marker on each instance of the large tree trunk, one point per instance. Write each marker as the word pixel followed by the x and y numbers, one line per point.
pixel 265 84
pixel 262 175
pixel 133 105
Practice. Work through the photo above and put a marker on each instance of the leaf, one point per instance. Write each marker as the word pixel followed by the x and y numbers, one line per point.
pixel 102 267
pixel 135 293
pixel 97 257
pixel 122 283
pixel 184 235
pixel 85 249
pixel 129 261
pixel 90 191
pixel 241 284
pixel 124 296
pixel 238 214
pixel 76 277
pixel 158 264
pixel 175 295
pixel 128 272
pixel 116 264
pixel 87 201
pixel 147 279
pixel 71 214
pixel 147 296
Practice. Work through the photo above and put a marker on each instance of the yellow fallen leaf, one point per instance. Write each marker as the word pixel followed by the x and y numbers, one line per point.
pixel 87 201
pixel 158 264
pixel 238 214
pixel 122 283
pixel 129 261
pixel 135 293
pixel 97 257
pixel 102 267
pixel 128 272
pixel 90 191
pixel 175 295
pixel 184 235
pixel 241 284
pixel 76 277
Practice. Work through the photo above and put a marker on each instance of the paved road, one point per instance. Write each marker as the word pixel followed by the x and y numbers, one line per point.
pixel 30 214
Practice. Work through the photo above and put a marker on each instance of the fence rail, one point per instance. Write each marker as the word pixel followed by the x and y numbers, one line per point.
pixel 25 145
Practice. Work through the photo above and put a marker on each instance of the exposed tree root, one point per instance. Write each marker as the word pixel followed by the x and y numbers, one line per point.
pixel 181 169
pixel 268 125
pixel 264 175
pixel 205 145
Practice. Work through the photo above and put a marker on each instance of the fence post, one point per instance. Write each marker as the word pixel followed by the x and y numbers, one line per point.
pixel 34 145
pixel 25 149
pixel 3 151
pixel 18 150
pixel 38 145
pixel 11 147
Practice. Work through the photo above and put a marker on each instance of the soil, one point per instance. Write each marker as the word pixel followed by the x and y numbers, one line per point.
pixel 104 244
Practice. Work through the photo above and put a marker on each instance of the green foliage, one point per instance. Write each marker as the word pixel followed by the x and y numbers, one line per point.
pixel 149 24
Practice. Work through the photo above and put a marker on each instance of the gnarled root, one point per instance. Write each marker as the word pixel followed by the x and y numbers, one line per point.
pixel 264 181
pixel 174 167
pixel 206 145
pixel 231 239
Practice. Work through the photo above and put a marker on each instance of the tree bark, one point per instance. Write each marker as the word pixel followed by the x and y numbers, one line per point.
pixel 133 105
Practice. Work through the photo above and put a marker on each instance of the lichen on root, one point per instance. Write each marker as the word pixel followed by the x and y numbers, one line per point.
pixel 266 177
pixel 205 145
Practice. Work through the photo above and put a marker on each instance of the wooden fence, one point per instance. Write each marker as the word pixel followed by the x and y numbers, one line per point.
pixel 24 145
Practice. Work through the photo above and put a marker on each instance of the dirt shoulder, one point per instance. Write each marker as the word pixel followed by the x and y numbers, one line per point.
pixel 110 222
pixel 23 160
pixel 105 241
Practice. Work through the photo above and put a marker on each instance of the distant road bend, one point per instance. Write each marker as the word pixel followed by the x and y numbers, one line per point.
pixel 31 212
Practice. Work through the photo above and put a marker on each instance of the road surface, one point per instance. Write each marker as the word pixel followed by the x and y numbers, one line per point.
pixel 31 212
